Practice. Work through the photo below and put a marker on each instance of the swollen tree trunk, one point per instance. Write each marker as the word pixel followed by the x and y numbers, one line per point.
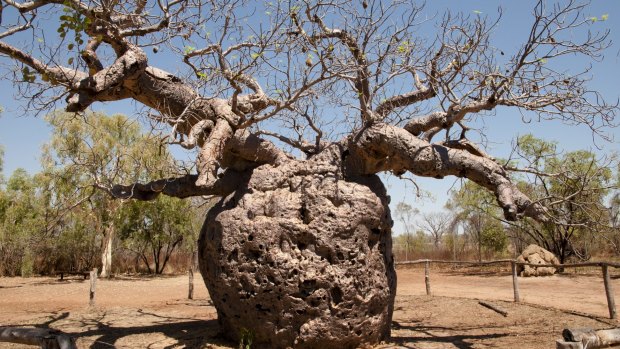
pixel 106 251
pixel 301 256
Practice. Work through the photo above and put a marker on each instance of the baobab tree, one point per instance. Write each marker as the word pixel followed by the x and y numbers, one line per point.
pixel 293 108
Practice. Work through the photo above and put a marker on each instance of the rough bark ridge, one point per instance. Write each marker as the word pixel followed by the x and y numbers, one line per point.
pixel 300 257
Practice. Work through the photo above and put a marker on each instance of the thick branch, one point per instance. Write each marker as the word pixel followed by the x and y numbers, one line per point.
pixel 383 147
pixel 246 150
pixel 181 187
pixel 444 120
pixel 403 100
pixel 211 153
pixel 35 4
pixel 127 67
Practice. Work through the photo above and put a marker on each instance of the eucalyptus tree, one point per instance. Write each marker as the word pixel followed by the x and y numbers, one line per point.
pixel 481 218
pixel 437 224
pixel 21 224
pixel 405 213
pixel 90 151
pixel 292 109
pixel 155 230
pixel 574 187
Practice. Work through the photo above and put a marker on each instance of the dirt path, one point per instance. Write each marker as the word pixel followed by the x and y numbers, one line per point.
pixel 154 312
pixel 569 292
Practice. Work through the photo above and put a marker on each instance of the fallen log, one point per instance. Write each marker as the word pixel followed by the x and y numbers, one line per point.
pixel 494 308
pixel 43 337
pixel 582 338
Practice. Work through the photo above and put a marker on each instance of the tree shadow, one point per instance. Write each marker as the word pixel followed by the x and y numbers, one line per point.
pixel 101 333
pixel 186 333
pixel 426 335
pixel 17 286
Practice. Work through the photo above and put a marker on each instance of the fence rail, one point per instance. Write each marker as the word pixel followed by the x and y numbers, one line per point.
pixel 609 293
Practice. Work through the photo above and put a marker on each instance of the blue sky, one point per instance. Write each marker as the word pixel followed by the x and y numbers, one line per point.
pixel 22 135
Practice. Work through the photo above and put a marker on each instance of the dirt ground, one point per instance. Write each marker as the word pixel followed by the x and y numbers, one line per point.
pixel 139 312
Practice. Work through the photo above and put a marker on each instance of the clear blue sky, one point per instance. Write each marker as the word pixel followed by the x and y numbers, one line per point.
pixel 22 135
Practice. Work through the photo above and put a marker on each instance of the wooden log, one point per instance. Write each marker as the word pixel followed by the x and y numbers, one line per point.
pixel 43 337
pixel 592 339
pixel 93 284
pixel 515 281
pixel 494 308
pixel 427 278
pixel 560 344
pixel 609 292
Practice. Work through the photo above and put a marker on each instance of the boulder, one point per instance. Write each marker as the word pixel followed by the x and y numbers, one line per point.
pixel 535 254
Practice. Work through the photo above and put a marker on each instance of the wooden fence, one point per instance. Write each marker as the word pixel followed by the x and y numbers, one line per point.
pixel 611 303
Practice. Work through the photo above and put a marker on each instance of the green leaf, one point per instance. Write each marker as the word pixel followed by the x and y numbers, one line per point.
pixel 593 19
pixel 189 49
pixel 605 17
pixel 70 61
pixel 476 12
pixel 256 55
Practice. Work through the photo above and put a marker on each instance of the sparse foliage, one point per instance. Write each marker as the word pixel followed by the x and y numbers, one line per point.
pixel 335 89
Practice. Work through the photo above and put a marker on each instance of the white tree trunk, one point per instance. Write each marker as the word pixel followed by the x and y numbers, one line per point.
pixel 106 253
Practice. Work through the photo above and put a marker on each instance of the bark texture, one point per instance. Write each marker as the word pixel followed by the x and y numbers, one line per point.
pixel 298 252
pixel 300 257
pixel 106 252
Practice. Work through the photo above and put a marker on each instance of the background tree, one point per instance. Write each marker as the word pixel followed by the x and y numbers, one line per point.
pixel 90 151
pixel 22 230
pixel 437 224
pixel 352 89
pixel 574 187
pixel 481 218
pixel 405 213
pixel 157 229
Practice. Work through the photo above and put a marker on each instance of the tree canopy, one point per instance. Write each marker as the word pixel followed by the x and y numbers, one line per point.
pixel 58 219
pixel 308 75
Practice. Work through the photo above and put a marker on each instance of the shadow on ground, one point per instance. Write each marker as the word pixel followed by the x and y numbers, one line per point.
pixel 100 330
pixel 418 333
pixel 188 334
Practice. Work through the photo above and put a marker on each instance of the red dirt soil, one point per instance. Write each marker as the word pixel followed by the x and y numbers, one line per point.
pixel 140 312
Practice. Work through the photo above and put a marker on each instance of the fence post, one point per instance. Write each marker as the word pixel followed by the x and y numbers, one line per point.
pixel 190 295
pixel 609 291
pixel 427 277
pixel 192 267
pixel 93 284
pixel 515 282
